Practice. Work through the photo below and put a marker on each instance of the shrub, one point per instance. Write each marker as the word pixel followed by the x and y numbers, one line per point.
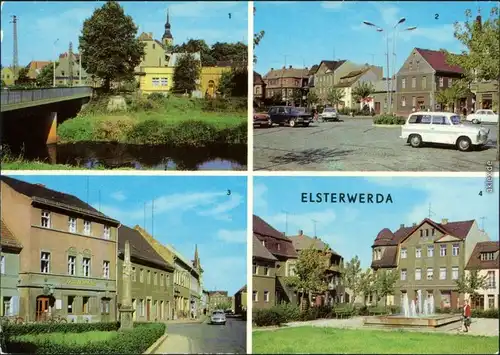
pixel 268 317
pixel 389 120
pixel 238 134
pixel 156 96
pixel 149 132
pixel 134 341
pixel 112 129
pixel 40 328
pixel 485 313
pixel 225 105
pixel 77 129
pixel 289 311
pixel 193 133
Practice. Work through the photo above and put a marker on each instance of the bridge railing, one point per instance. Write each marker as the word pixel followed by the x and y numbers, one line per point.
pixel 10 97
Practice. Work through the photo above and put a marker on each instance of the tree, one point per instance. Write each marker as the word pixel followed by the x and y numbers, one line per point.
pixel 195 46
pixel 277 98
pixel 186 74
pixel 22 76
pixel 385 284
pixel 223 306
pixel 471 283
pixel 234 83
pixel 449 96
pixel 297 96
pixel 362 91
pixel 366 284
pixel 334 97
pixel 310 275
pixel 46 76
pixel 236 53
pixel 110 45
pixel 480 60
pixel 257 37
pixel 312 98
pixel 351 273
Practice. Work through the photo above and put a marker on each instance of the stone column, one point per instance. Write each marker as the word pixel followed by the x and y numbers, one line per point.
pixel 126 308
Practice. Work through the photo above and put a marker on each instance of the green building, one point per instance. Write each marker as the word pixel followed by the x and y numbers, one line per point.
pixel 10 248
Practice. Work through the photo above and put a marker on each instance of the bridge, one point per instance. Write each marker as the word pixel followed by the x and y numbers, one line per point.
pixel 35 112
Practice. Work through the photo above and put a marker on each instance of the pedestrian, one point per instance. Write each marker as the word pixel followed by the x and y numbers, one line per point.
pixel 466 316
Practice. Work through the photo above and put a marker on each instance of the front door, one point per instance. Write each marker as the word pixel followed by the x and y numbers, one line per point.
pixel 377 107
pixel 42 307
pixel 148 309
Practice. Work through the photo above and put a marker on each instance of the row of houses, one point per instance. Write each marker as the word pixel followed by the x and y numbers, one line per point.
pixel 429 257
pixel 415 86
pixel 62 257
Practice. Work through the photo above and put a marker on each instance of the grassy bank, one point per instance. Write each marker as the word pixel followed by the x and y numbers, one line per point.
pixel 174 121
pixel 315 340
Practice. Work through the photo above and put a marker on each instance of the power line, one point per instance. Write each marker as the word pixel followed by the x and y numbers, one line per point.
pixel 15 54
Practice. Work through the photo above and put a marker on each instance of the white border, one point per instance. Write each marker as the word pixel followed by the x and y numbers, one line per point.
pixel 126 172
pixel 395 174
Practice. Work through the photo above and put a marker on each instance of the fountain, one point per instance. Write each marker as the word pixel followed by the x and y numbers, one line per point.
pixel 417 313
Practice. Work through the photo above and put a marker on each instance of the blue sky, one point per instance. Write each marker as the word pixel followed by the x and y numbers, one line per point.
pixel 188 211
pixel 308 32
pixel 350 229
pixel 41 23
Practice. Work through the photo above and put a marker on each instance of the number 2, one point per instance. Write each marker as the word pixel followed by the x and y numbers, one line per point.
pixel 436 16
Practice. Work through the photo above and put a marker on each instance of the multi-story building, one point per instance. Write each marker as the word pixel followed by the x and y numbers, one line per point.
pixel 70 72
pixel 422 75
pixel 68 260
pixel 182 284
pixel 282 249
pixel 485 259
pixel 333 262
pixel 9 76
pixel 429 257
pixel 151 278
pixel 10 247
pixel 205 302
pixel 35 67
pixel 259 89
pixel 346 83
pixel 486 93
pixel 264 276
pixel 240 300
pixel 219 299
pixel 285 82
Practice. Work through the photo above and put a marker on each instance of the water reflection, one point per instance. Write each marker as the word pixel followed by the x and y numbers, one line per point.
pixel 92 155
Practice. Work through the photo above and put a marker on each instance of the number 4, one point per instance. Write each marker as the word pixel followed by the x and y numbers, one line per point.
pixel 480 193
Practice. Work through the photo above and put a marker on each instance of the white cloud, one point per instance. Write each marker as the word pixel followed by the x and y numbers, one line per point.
pixel 440 34
pixel 332 5
pixel 232 236
pixel 259 198
pixel 221 209
pixel 221 272
pixel 199 8
pixel 118 196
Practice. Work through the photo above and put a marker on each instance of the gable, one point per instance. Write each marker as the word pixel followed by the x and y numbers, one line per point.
pixel 424 233
pixel 423 65
pixel 323 68
pixel 447 238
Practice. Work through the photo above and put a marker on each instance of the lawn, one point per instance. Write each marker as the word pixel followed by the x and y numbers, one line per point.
pixel 67 338
pixel 349 341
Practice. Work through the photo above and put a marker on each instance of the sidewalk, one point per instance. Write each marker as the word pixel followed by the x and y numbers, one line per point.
pixel 200 320
pixel 174 344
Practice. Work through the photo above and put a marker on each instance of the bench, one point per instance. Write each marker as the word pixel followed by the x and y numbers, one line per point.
pixel 341 313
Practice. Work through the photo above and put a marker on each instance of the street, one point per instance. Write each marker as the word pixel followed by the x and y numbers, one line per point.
pixel 196 338
pixel 356 145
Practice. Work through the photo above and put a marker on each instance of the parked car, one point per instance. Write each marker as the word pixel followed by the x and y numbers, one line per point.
pixel 289 115
pixel 261 119
pixel 481 116
pixel 442 128
pixel 218 317
pixel 329 114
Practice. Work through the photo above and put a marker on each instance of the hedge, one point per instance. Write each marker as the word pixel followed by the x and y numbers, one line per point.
pixel 134 341
pixel 389 120
pixel 40 328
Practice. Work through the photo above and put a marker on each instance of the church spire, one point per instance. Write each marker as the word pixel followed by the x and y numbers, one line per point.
pixel 167 25
pixel 167 37
pixel 196 258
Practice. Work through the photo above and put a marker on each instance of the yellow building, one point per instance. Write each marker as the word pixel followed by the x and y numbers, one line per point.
pixel 210 77
pixel 8 76
pixel 156 79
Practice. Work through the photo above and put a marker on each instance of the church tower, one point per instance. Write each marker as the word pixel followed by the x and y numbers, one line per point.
pixel 167 39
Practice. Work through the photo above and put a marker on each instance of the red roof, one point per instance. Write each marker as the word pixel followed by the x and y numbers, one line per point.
pixel 277 243
pixel 437 60
pixel 475 262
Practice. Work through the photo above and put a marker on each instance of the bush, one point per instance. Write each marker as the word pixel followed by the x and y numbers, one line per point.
pixel 486 313
pixel 40 328
pixel 389 120
pixel 77 129
pixel 149 132
pixel 225 105
pixel 156 96
pixel 268 317
pixel 193 133
pixel 134 341
pixel 289 311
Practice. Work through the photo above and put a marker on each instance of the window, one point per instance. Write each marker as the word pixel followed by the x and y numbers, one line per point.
pixel 442 250
pixel 440 120
pixel 149 276
pixel 161 280
pixel 155 278
pixel 424 82
pixel 266 271
pixel 107 232
pixel 490 280
pixel 72 225
pixel 430 273
pixel 403 274
pixel 454 273
pixel 45 262
pixel 155 81
pixel 71 265
pixel 7 306
pixel 421 119
pixel 255 269
pixel 264 242
pixel 105 269
pixel 455 249
pixel 85 305
pixel 403 83
pixel 71 301
pixel 45 220
pixel 442 273
pixel 141 275
pixel 164 81
pixel 266 296
pixel 450 82
pixel 403 253
pixel 430 251
pixel 278 246
pixel 418 252
pixel 491 301
pixel 255 296
pixel 418 64
pixel 418 274
pixel 487 256
pixel 154 45
pixel 433 232
pixel 413 82
pixel 2 265
pixel 414 101
pixel 410 65
pixel 403 101
pixel 105 305
pixel 133 276
pixel 87 227
pixel 441 82
pixel 86 267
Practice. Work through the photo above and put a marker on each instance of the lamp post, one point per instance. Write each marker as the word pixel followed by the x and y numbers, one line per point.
pixel 54 64
pixel 394 86
pixel 380 29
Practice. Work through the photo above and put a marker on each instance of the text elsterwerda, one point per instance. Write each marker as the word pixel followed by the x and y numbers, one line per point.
pixel 341 197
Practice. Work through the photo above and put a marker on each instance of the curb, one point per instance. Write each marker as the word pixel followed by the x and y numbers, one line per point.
pixel 156 344
pixel 387 125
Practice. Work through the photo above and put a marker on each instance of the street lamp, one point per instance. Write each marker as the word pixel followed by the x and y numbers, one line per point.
pixel 394 87
pixel 54 64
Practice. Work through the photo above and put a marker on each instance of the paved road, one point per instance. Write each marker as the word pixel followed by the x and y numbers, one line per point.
pixel 355 145
pixel 205 338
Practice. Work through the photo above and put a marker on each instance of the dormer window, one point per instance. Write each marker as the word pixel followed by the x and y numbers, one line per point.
pixel 487 256
pixel 278 246
pixel 263 243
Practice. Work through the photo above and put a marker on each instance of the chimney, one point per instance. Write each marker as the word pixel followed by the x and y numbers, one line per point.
pixel 272 69
pixel 401 225
pixel 290 67
pixel 444 221
pixel 283 233
pixel 301 232
pixel 414 224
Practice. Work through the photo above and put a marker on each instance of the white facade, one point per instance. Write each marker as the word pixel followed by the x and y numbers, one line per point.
pixel 491 293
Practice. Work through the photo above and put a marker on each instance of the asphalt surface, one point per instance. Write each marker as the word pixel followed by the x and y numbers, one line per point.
pixel 354 144
pixel 206 338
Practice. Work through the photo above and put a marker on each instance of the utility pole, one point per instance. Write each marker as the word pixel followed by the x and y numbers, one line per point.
pixel 54 64
pixel 482 223
pixel 15 54
pixel 70 64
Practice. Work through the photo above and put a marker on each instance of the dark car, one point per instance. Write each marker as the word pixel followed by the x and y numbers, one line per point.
pixel 289 115
pixel 261 119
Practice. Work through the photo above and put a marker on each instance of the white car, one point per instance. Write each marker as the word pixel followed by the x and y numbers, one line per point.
pixel 329 114
pixel 442 128
pixel 480 116
pixel 218 317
